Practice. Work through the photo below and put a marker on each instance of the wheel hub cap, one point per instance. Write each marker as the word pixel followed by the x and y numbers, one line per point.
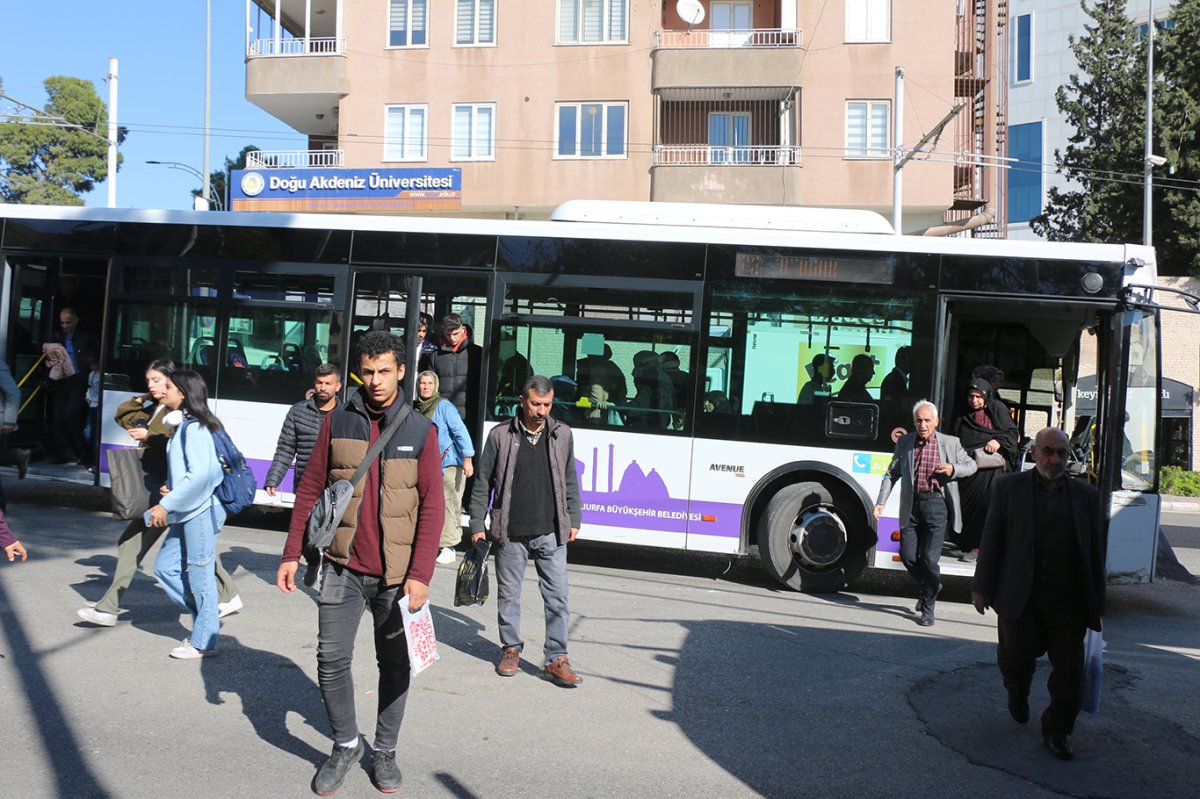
pixel 818 538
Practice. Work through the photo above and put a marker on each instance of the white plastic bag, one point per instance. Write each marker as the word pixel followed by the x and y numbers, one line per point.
pixel 418 632
pixel 1093 670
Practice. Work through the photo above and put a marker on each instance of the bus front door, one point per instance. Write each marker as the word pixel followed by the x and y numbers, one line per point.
pixel 1129 473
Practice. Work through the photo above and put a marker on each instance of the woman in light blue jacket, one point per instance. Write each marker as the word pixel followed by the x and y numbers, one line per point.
pixel 194 515
pixel 454 442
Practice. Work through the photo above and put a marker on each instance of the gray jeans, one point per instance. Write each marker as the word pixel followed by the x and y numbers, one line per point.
pixel 345 594
pixel 550 559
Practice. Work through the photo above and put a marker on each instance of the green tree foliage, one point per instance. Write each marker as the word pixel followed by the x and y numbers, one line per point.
pixel 1105 104
pixel 47 164
pixel 1177 122
pixel 218 178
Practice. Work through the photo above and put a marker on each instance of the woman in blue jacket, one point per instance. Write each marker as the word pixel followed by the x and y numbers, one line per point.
pixel 454 442
pixel 191 511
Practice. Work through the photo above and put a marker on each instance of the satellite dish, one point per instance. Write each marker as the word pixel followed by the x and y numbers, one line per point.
pixel 690 11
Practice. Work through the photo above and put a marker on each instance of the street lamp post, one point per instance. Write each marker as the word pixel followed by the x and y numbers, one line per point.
pixel 198 175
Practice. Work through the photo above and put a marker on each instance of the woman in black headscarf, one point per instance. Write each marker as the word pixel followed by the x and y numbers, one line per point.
pixel 988 434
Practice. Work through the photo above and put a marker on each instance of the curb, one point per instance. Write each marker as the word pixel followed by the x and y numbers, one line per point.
pixel 1181 505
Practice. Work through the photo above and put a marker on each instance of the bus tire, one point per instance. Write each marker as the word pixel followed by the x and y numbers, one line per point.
pixel 807 543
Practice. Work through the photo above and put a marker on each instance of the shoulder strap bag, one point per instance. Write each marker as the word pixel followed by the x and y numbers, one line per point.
pixel 331 506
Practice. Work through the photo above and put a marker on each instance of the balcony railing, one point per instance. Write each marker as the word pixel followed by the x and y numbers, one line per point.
pixel 759 37
pixel 709 155
pixel 294 159
pixel 329 45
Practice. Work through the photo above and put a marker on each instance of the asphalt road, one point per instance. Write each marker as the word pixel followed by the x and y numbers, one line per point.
pixel 702 680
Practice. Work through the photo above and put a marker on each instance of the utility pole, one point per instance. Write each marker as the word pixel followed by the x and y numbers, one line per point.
pixel 898 158
pixel 112 132
pixel 1148 165
pixel 207 191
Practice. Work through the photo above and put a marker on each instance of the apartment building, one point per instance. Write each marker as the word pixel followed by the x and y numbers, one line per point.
pixel 492 108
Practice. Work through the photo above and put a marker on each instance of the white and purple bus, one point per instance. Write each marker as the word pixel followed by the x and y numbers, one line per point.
pixel 698 351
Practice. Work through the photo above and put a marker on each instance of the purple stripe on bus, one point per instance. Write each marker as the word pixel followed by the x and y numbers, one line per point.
pixel 258 467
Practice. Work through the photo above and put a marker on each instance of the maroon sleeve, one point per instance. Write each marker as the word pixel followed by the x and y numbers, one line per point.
pixel 7 538
pixel 432 510
pixel 307 493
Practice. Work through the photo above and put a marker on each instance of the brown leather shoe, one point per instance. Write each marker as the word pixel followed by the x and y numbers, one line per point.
pixel 510 662
pixel 559 672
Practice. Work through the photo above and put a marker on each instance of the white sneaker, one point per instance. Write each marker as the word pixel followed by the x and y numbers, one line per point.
pixel 232 606
pixel 447 555
pixel 97 617
pixel 185 651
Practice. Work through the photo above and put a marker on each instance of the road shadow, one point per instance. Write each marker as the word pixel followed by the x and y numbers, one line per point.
pixel 65 759
pixel 270 687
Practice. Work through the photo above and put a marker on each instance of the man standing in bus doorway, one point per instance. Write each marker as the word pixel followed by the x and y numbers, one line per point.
pixel 528 466
pixel 1041 568
pixel 457 364
pixel 68 395
pixel 384 546
pixel 926 463
pixel 301 427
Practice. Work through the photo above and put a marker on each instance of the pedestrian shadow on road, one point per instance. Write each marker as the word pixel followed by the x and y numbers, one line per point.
pixel 262 565
pixel 270 687
pixel 468 635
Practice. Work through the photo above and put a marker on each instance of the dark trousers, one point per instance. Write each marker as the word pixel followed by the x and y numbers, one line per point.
pixel 67 401
pixel 1026 638
pixel 921 545
pixel 345 594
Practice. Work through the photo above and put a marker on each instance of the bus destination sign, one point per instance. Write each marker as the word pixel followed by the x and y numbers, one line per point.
pixel 346 189
pixel 814 267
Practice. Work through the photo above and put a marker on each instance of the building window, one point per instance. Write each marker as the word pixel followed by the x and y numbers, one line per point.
pixel 867 128
pixel 407 21
pixel 868 20
pixel 475 22
pixel 404 133
pixel 728 138
pixel 591 130
pixel 1025 172
pixel 1022 66
pixel 593 21
pixel 474 128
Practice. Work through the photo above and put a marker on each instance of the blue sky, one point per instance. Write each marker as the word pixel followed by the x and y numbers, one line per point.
pixel 160 46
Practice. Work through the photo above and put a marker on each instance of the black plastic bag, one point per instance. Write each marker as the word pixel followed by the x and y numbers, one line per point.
pixel 471 587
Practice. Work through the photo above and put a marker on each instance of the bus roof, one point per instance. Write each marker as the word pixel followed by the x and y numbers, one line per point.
pixel 708 215
pixel 744 235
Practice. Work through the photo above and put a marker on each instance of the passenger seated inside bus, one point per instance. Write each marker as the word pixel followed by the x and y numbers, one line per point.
pixel 820 370
pixel 862 371
pixel 604 385
pixel 566 393
pixel 653 393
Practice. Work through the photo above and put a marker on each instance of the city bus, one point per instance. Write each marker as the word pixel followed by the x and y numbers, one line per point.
pixel 699 352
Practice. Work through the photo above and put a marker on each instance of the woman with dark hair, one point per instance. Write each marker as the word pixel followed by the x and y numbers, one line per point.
pixel 142 417
pixel 185 562
pixel 989 435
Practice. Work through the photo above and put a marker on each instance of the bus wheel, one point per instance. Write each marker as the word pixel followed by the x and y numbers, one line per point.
pixel 806 543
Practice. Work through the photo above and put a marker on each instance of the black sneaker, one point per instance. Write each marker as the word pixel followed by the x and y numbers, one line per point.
pixel 384 772
pixel 333 773
pixel 22 463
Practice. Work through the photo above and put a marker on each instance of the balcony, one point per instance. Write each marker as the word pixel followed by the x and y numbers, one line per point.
pixel 732 156
pixel 296 62
pixel 295 159
pixel 734 58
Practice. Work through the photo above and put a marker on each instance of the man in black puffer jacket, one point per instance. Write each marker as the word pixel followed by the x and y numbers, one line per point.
pixel 301 426
pixel 457 364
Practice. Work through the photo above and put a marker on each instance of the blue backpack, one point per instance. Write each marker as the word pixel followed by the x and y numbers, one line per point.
pixel 237 487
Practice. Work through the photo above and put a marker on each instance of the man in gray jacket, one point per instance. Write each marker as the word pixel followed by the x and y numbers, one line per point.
pixel 528 469
pixel 926 463
pixel 301 426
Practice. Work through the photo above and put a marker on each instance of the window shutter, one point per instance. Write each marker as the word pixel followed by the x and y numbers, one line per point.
pixel 568 22
pixel 879 128
pixel 393 135
pixel 461 146
pixel 487 22
pixel 593 20
pixel 483 132
pixel 856 129
pixel 416 133
pixel 616 20
pixel 464 22
pixel 418 21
